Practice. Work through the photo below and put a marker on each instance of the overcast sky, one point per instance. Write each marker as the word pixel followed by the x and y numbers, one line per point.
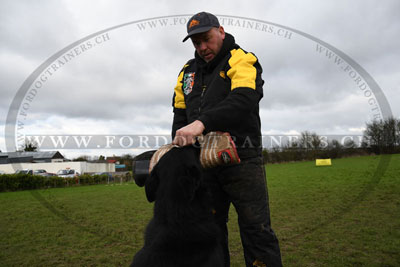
pixel 121 81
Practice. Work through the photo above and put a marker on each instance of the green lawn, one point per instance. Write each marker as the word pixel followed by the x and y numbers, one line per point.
pixel 343 215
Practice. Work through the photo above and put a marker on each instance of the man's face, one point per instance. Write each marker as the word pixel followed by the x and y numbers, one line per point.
pixel 208 44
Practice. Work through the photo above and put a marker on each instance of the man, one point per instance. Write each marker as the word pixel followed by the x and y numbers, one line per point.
pixel 220 90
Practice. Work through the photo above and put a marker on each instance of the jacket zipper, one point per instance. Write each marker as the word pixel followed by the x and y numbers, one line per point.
pixel 204 88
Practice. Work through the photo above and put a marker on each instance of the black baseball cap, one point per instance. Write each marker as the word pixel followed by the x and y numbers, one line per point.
pixel 201 22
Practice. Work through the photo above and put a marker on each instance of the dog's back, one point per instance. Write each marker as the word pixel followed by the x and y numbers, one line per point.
pixel 183 231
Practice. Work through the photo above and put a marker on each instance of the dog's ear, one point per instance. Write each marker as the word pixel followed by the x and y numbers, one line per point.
pixel 151 185
pixel 190 182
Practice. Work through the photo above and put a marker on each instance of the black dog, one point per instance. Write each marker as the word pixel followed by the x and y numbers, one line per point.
pixel 183 231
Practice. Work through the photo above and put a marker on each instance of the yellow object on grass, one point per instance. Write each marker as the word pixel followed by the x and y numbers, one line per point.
pixel 323 162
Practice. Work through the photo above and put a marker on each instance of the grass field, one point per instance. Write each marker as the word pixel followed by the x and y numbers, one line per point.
pixel 343 215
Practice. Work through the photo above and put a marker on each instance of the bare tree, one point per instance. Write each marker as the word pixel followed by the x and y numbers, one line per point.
pixel 305 140
pixel 398 132
pixel 373 136
pixel 30 146
pixel 315 141
pixel 389 134
pixel 382 136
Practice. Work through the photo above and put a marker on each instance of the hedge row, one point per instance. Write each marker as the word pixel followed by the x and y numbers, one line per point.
pixel 15 182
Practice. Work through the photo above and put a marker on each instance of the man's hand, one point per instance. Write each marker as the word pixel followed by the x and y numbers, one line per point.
pixel 187 135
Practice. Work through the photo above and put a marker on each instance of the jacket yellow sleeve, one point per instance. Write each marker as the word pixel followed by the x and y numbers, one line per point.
pixel 242 73
pixel 178 102
pixel 179 99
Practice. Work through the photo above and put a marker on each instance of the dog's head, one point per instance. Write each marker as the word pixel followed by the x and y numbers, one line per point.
pixel 140 167
pixel 176 176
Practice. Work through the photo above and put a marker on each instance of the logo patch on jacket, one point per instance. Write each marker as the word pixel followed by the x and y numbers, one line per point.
pixel 188 81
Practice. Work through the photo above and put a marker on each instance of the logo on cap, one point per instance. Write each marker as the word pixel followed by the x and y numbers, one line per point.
pixel 194 23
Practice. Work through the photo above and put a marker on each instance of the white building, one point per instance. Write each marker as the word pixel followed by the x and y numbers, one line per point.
pixel 51 161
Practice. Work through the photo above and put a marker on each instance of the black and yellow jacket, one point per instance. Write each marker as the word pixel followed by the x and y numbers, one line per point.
pixel 224 94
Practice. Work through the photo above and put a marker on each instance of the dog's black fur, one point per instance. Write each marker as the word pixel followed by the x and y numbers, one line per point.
pixel 183 231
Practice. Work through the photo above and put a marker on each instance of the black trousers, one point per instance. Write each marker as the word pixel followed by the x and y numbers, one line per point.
pixel 244 185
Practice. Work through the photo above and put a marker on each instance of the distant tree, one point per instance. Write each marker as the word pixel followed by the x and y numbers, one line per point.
pixel 292 151
pixel 82 158
pixel 334 149
pixel 265 155
pixel 349 144
pixel 373 136
pixel 310 143
pixel 294 145
pixel 389 134
pixel 398 133
pixel 382 136
pixel 315 141
pixel 127 160
pixel 335 144
pixel 101 157
pixel 276 155
pixel 30 146
pixel 305 140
